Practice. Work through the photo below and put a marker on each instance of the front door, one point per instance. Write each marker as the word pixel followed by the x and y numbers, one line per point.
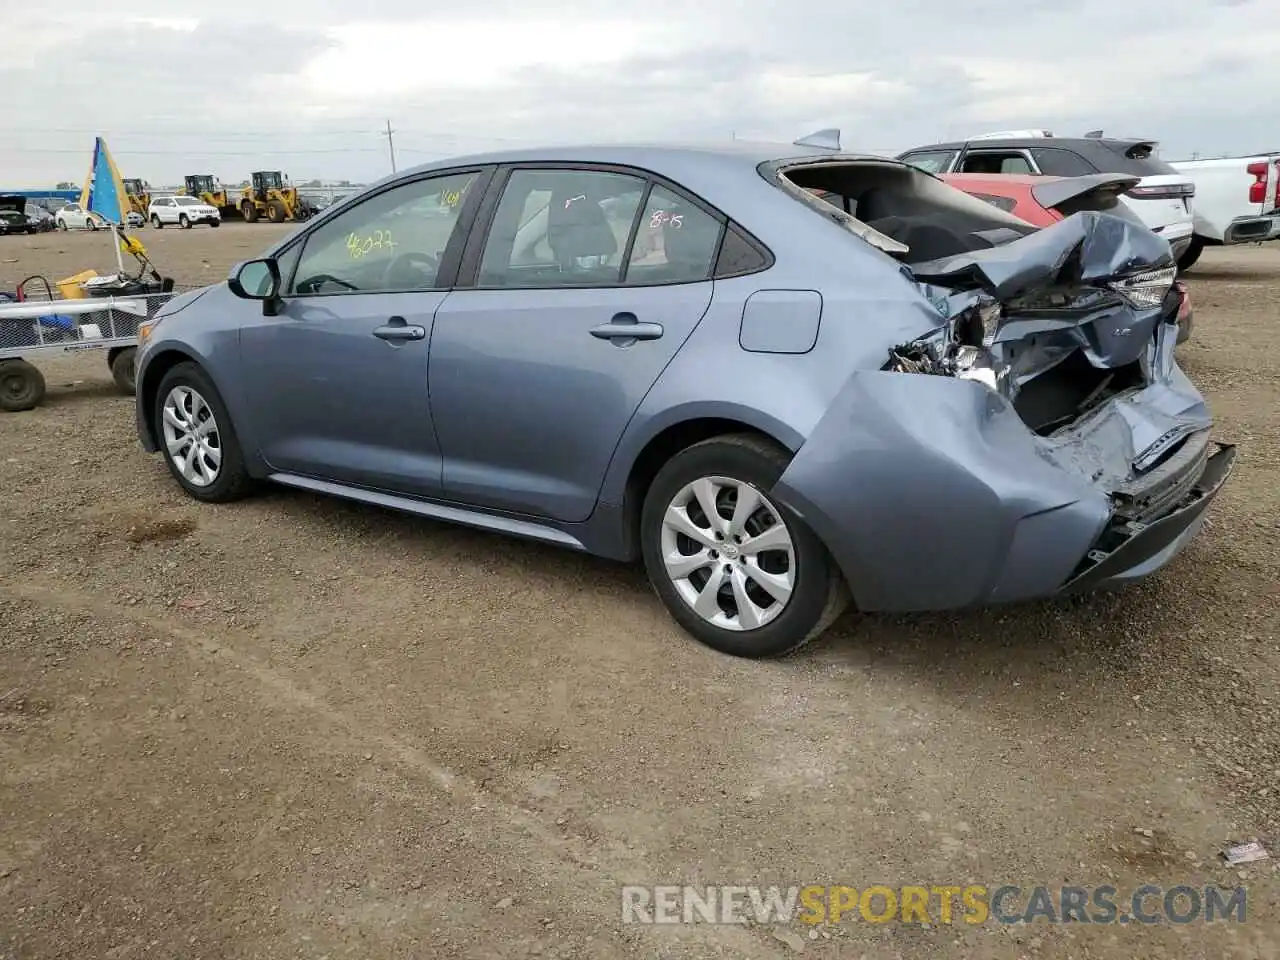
pixel 578 307
pixel 338 380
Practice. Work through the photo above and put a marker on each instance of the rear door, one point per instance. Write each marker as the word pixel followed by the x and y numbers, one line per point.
pixel 585 281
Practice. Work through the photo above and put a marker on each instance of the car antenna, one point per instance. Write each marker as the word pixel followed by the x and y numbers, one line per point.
pixel 828 139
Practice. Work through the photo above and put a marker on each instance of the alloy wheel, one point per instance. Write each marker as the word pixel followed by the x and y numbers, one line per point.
pixel 728 553
pixel 191 436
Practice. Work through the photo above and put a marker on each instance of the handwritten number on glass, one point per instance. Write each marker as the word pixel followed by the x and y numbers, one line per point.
pixel 359 247
pixel 661 216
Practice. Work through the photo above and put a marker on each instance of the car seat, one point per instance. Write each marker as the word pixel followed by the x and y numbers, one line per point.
pixel 579 235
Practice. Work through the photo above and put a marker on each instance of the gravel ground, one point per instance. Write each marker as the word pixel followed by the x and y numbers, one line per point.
pixel 294 727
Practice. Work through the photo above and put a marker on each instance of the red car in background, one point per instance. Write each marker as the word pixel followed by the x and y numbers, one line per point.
pixel 1043 201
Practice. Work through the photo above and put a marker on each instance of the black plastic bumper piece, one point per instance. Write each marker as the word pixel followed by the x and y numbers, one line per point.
pixel 1129 544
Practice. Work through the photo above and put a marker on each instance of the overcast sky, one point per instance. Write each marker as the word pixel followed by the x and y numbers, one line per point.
pixel 180 86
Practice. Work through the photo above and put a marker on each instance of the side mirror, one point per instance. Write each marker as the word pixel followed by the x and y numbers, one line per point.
pixel 256 280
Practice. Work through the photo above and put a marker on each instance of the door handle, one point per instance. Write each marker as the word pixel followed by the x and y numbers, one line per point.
pixel 625 327
pixel 397 331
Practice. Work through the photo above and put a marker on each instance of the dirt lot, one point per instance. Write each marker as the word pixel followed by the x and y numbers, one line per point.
pixel 294 727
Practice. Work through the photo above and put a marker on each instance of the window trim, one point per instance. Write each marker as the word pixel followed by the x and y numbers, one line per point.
pixel 449 261
pixel 482 225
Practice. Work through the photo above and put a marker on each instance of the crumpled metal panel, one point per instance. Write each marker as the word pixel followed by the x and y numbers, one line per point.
pixel 1085 247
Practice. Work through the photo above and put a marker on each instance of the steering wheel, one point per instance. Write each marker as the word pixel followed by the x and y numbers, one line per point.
pixel 419 262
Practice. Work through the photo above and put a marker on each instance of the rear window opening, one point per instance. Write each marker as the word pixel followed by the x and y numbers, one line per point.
pixel 913 210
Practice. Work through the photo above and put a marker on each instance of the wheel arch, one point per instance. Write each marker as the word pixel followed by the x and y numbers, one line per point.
pixel 149 383
pixel 665 441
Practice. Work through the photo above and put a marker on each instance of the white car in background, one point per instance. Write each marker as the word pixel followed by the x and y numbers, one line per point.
pixel 1163 198
pixel 72 217
pixel 183 211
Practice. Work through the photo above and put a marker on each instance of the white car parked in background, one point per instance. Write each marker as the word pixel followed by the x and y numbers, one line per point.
pixel 186 212
pixel 71 216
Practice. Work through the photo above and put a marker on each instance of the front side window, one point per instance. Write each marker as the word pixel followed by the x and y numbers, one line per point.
pixel 395 240
pixel 556 228
pixel 676 241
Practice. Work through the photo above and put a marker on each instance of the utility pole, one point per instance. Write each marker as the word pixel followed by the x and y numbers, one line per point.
pixel 391 146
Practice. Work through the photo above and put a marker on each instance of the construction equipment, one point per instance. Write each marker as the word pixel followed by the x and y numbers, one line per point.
pixel 270 195
pixel 209 188
pixel 139 194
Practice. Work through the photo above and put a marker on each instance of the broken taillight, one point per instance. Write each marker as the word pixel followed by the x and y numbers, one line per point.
pixel 1145 289
pixel 1258 189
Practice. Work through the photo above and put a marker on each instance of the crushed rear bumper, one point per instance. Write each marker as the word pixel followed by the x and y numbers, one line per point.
pixel 1129 549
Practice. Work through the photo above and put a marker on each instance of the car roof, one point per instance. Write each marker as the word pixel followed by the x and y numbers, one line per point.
pixel 660 157
pixel 1025 142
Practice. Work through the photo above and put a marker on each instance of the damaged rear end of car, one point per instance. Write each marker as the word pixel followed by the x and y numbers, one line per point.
pixel 1075 326
pixel 1067 335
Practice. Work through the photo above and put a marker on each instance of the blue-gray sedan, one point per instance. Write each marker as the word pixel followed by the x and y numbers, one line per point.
pixel 783 376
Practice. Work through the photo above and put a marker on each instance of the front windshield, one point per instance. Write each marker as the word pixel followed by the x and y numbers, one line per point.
pixel 186 201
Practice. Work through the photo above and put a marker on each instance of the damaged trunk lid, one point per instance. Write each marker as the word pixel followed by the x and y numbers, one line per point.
pixel 1075 326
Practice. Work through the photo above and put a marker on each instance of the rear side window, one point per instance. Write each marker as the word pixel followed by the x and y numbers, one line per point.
pixel 738 255
pixel 1056 162
pixel 996 161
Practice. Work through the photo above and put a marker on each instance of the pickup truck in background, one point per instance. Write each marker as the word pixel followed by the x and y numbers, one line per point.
pixel 1237 201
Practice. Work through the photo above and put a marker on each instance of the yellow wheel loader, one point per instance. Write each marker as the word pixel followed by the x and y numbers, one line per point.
pixel 270 195
pixel 138 193
pixel 209 189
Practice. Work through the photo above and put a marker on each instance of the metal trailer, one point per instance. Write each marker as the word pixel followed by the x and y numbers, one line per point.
pixel 49 327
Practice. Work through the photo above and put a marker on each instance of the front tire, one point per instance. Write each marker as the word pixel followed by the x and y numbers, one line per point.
pixel 197 438
pixel 1190 255
pixel 183 222
pixel 735 569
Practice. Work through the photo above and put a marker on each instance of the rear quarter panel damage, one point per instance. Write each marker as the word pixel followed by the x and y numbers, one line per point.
pixel 931 494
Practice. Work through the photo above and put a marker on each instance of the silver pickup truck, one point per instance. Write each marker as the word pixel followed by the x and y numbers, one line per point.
pixel 1237 201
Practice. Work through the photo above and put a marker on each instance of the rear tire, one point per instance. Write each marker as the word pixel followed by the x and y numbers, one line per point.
pixel 739 616
pixel 1190 255
pixel 249 211
pixel 22 386
pixel 155 221
pixel 202 416
pixel 124 370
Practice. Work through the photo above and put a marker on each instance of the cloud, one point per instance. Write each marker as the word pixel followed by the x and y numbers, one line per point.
pixel 307 87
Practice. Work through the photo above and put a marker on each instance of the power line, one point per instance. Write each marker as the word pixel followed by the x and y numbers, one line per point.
pixel 391 146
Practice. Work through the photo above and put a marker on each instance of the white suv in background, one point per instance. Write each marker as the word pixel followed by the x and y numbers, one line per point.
pixel 186 212
pixel 1163 198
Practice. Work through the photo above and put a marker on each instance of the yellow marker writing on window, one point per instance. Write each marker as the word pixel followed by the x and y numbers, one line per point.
pixel 359 247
